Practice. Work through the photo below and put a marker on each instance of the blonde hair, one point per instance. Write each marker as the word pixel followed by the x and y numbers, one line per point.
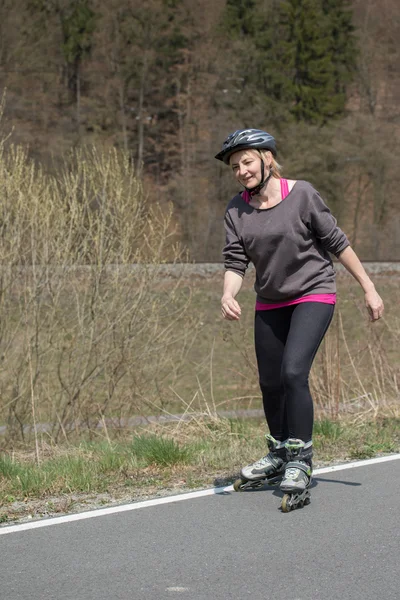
pixel 276 167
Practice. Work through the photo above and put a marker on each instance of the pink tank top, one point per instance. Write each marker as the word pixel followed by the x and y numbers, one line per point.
pixel 284 191
pixel 324 298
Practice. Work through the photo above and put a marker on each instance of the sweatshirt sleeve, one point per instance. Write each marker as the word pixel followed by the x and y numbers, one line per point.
pixel 324 226
pixel 235 257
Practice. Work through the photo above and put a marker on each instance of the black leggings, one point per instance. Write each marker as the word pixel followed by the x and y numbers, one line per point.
pixel 286 341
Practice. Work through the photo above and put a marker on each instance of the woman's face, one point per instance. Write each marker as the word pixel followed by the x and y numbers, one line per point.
pixel 246 167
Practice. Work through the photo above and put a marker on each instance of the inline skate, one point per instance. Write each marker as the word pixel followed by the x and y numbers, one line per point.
pixel 268 470
pixel 298 475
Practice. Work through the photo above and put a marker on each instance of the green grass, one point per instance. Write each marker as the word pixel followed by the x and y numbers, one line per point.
pixel 88 467
pixel 160 450
pixel 208 454
pixel 327 429
pixel 337 440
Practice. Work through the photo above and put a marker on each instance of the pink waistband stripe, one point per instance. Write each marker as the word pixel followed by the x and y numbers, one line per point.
pixel 324 298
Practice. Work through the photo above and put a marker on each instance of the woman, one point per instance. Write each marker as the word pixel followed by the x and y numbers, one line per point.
pixel 287 231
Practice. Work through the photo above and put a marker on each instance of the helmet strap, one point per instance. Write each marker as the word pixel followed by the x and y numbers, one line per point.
pixel 257 189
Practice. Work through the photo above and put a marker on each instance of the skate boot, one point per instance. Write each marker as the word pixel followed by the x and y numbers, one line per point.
pixel 268 469
pixel 297 477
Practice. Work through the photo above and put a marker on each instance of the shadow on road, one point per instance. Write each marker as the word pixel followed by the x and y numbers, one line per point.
pixel 220 482
pixel 316 481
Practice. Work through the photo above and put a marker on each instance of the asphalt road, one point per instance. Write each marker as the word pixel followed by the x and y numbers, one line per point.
pixel 344 545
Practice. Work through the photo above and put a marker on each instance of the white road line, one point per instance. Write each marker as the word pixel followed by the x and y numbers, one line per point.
pixel 112 510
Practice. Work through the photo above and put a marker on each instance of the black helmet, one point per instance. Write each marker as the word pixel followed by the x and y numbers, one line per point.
pixel 246 138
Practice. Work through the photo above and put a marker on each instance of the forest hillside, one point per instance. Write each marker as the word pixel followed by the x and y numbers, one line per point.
pixel 168 80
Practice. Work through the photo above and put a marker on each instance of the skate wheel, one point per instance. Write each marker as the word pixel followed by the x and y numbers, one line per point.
pixel 286 505
pixel 237 485
pixel 307 501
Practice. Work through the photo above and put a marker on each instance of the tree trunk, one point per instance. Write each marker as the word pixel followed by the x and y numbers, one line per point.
pixel 140 116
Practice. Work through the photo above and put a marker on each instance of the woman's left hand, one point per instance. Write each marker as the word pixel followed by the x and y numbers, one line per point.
pixel 374 304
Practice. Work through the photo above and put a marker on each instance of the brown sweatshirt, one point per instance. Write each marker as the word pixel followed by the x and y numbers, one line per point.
pixel 288 244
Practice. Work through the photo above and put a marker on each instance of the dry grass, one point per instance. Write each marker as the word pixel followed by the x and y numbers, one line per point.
pixel 362 383
pixel 83 334
pixel 92 333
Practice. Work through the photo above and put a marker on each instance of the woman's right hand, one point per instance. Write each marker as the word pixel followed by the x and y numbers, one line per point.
pixel 230 308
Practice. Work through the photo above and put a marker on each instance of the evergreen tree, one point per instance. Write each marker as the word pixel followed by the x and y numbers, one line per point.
pixel 239 17
pixel 343 47
pixel 251 73
pixel 309 65
pixel 298 56
pixel 78 23
pixel 273 62
pixel 75 22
